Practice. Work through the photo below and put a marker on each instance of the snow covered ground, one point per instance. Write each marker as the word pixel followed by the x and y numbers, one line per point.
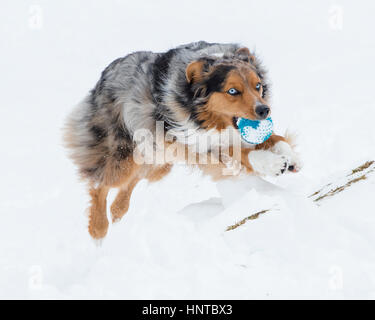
pixel 172 243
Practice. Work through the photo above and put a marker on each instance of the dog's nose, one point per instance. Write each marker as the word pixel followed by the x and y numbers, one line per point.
pixel 262 111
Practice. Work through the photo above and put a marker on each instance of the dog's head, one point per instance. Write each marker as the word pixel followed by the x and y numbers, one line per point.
pixel 228 88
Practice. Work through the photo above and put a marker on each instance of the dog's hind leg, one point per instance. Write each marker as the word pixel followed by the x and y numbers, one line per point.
pixel 127 182
pixel 120 205
pixel 98 222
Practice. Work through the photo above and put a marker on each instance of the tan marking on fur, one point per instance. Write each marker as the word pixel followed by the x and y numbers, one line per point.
pixel 118 173
pixel 211 119
pixel 270 142
pixel 120 205
pixel 127 182
pixel 98 222
pixel 215 171
pixel 194 71
pixel 245 52
pixel 245 159
pixel 158 172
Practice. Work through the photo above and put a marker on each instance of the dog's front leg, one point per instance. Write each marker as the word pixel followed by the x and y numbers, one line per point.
pixel 272 158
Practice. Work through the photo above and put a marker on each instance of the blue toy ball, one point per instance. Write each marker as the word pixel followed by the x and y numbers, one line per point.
pixel 255 131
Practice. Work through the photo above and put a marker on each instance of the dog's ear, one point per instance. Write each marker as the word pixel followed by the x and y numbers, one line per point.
pixel 194 71
pixel 245 55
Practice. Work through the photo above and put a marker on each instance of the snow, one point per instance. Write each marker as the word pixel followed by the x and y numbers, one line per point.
pixel 172 243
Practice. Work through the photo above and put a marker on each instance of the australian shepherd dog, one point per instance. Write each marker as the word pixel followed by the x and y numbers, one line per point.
pixel 191 93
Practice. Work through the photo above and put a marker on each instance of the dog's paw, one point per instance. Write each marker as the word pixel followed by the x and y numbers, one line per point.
pixel 98 227
pixel 98 231
pixel 267 163
pixel 118 210
pixel 283 148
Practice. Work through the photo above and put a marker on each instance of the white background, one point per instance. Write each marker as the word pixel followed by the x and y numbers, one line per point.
pixel 320 55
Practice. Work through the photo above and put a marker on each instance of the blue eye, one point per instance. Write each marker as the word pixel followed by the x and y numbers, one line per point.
pixel 258 86
pixel 233 91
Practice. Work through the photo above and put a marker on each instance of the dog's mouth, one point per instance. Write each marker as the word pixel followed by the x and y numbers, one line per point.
pixel 236 121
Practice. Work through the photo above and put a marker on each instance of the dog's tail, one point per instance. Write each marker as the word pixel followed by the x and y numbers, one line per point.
pixel 80 142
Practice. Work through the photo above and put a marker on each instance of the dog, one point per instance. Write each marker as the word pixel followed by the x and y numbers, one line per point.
pixel 199 87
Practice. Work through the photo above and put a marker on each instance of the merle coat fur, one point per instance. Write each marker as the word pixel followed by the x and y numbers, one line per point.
pixel 135 91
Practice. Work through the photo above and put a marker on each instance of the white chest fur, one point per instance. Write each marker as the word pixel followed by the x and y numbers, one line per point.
pixel 201 141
